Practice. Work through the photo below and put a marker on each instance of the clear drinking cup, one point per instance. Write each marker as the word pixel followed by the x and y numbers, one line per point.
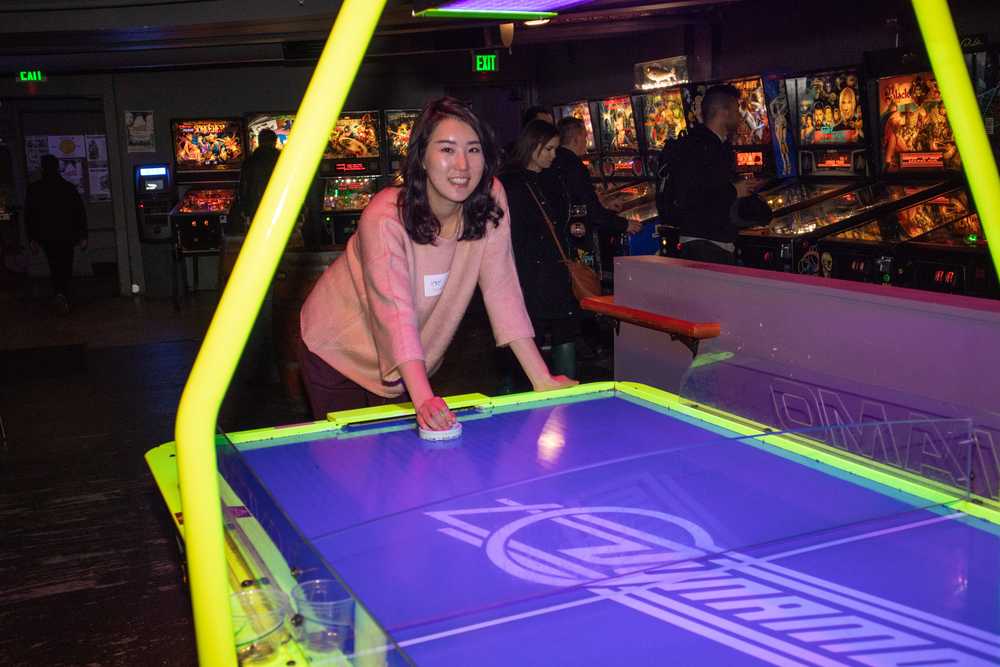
pixel 259 625
pixel 324 622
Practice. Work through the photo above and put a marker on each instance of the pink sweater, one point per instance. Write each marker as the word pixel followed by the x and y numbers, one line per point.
pixel 388 300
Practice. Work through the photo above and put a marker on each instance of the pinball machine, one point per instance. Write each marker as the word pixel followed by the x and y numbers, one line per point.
pixel 279 123
pixel 350 171
pixel 916 142
pixel 867 253
pixel 662 117
pixel 917 161
pixel 953 258
pixel 621 161
pixel 398 126
pixel 828 119
pixel 629 188
pixel 208 154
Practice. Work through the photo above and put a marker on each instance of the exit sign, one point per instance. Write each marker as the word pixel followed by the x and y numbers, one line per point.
pixel 31 75
pixel 486 62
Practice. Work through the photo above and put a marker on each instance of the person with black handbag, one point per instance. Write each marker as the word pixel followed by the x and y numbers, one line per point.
pixel 539 212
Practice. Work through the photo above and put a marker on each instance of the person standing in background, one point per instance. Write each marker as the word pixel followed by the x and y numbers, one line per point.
pixel 255 174
pixel 537 197
pixel 590 219
pixel 56 221
pixel 701 194
pixel 537 113
pixel 568 162
pixel 531 113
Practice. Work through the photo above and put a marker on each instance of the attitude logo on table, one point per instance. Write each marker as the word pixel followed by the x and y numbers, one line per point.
pixel 670 568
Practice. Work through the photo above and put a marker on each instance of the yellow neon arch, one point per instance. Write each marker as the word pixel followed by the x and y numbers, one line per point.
pixel 265 243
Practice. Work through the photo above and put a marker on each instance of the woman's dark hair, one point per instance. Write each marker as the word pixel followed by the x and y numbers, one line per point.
pixel 479 209
pixel 536 133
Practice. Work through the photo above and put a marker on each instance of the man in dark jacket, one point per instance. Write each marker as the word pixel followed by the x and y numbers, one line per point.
pixel 254 175
pixel 568 162
pixel 703 197
pixel 57 221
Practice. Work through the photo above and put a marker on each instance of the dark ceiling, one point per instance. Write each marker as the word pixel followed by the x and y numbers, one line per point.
pixel 85 35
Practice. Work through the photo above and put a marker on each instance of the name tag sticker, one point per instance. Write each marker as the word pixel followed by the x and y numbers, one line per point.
pixel 434 284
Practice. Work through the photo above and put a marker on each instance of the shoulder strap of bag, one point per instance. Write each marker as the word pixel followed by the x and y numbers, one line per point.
pixel 548 222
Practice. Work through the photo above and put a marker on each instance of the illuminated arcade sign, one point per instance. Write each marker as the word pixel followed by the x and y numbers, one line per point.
pixel 485 62
pixel 922 160
pixel 492 9
pixel 834 160
pixel 749 159
pixel 31 76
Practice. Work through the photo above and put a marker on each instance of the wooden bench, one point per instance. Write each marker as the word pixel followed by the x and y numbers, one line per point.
pixel 689 333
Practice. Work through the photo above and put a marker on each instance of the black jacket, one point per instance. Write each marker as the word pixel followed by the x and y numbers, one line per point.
pixel 254 175
pixel 54 211
pixel 701 198
pixel 548 294
pixel 581 192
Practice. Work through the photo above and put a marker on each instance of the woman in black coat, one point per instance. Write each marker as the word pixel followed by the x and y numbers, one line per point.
pixel 548 294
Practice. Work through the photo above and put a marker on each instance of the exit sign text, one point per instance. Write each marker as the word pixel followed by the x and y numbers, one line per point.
pixel 486 62
pixel 27 75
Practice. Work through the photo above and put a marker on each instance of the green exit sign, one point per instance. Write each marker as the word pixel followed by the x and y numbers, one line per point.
pixel 31 75
pixel 486 62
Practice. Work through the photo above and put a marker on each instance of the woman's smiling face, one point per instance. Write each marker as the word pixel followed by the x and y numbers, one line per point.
pixel 453 161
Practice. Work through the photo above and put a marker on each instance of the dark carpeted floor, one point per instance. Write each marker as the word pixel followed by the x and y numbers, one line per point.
pixel 89 572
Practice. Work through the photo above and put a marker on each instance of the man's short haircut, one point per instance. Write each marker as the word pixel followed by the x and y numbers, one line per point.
pixel 532 113
pixel 267 137
pixel 716 99
pixel 569 128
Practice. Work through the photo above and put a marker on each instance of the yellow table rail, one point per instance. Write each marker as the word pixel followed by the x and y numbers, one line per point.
pixel 941 39
pixel 220 351
pixel 241 301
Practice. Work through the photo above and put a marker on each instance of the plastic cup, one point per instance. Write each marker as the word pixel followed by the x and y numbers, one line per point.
pixel 324 623
pixel 259 625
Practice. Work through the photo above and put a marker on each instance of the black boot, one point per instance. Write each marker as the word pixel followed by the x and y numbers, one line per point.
pixel 564 359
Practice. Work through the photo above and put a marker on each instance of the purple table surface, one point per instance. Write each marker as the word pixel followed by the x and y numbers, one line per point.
pixel 605 532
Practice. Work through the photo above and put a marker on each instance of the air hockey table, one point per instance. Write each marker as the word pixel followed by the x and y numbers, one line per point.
pixel 612 524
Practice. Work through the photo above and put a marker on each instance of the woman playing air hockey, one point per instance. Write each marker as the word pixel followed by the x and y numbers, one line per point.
pixel 380 318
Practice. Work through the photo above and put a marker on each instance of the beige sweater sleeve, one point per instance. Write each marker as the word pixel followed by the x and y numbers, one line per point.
pixel 392 313
pixel 499 283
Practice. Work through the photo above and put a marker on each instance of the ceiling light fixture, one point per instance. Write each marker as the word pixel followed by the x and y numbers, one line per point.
pixel 492 9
